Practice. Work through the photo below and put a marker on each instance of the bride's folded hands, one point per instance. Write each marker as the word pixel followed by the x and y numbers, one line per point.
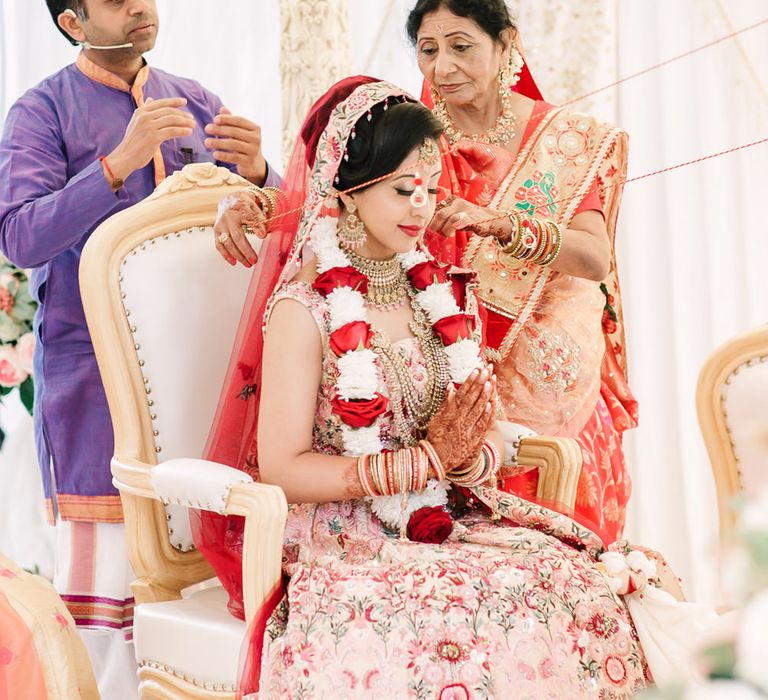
pixel 461 425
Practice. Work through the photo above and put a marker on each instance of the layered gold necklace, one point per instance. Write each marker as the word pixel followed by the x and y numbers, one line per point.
pixel 500 134
pixel 389 288
pixel 387 280
pixel 410 412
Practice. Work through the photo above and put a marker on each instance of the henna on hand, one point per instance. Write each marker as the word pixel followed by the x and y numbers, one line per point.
pixel 353 489
pixel 499 228
pixel 460 426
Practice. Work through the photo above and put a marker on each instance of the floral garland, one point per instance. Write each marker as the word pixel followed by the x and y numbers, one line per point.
pixel 358 403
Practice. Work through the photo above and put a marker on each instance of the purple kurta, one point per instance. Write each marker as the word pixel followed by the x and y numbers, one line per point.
pixel 53 194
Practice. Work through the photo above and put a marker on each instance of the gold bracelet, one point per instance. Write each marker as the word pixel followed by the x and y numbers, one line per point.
pixel 560 234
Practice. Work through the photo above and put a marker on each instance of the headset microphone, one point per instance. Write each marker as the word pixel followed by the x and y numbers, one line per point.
pixel 89 45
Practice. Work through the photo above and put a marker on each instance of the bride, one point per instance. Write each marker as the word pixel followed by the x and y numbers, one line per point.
pixel 408 573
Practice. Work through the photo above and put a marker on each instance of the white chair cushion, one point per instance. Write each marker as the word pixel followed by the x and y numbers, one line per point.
pixel 195 638
pixel 746 410
pixel 196 483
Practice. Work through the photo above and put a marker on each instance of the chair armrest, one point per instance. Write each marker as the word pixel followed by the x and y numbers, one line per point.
pixel 262 505
pixel 559 463
pixel 196 483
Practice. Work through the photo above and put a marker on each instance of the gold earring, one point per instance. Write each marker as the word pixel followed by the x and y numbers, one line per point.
pixel 352 229
pixel 510 74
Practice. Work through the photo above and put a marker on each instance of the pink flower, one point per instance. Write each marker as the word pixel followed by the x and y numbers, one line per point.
pixel 6 301
pixel 537 197
pixel 455 691
pixel 370 679
pixel 7 573
pixel 25 348
pixel 11 372
pixel 63 622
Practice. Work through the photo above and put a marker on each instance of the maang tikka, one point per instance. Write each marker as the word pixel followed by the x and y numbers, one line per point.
pixel 429 155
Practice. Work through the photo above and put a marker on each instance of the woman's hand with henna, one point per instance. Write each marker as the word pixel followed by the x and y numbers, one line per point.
pixel 454 213
pixel 236 212
pixel 458 429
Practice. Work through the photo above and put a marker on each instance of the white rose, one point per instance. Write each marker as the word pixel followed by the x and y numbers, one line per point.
pixel 412 258
pixel 11 371
pixel 358 378
pixel 361 441
pixel 463 359
pixel 438 301
pixel 325 244
pixel 614 562
pixel 345 305
pixel 751 643
pixel 388 508
pixel 638 561
pixel 25 349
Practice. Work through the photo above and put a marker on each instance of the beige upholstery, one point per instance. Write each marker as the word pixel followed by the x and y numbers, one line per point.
pixel 162 308
pixel 732 403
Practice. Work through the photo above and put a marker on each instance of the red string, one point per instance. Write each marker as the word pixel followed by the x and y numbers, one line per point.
pixel 578 99
pixel 667 62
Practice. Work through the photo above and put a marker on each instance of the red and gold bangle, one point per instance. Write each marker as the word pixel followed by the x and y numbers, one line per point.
pixel 363 466
pixel 433 459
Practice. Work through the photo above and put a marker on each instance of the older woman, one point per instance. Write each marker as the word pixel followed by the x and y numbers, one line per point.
pixel 535 195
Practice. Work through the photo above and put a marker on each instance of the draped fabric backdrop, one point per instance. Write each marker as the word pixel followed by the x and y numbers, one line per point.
pixel 692 243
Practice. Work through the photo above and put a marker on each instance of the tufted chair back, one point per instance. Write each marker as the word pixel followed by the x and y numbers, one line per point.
pixel 732 404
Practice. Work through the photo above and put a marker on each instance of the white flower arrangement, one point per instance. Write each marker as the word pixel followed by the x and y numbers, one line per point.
pixel 389 510
pixel 463 359
pixel 438 302
pixel 358 378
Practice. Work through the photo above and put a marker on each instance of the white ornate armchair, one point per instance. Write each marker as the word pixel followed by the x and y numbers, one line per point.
pixel 732 404
pixel 162 308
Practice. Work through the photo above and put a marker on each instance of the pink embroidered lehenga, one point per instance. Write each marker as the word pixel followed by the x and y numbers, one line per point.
pixel 510 606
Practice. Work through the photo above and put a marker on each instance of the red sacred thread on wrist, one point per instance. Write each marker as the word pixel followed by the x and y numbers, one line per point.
pixel 117 182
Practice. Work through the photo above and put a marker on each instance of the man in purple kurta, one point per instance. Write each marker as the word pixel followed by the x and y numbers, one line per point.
pixel 87 142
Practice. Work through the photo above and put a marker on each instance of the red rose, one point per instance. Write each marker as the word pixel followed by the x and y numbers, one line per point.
pixel 360 413
pixel 460 280
pixel 351 336
pixel 430 525
pixel 451 329
pixel 340 277
pixel 426 273
pixel 609 325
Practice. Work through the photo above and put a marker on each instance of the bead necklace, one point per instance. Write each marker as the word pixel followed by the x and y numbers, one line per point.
pixel 500 134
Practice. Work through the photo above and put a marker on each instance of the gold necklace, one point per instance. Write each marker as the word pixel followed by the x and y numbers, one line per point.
pixel 411 414
pixel 500 134
pixel 387 280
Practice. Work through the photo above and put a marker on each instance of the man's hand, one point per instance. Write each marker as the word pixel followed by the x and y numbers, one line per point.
pixel 237 140
pixel 155 122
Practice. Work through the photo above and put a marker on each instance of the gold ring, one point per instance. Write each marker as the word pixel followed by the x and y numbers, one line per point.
pixel 224 237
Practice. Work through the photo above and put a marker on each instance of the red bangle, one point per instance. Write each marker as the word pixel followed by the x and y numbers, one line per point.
pixel 117 182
